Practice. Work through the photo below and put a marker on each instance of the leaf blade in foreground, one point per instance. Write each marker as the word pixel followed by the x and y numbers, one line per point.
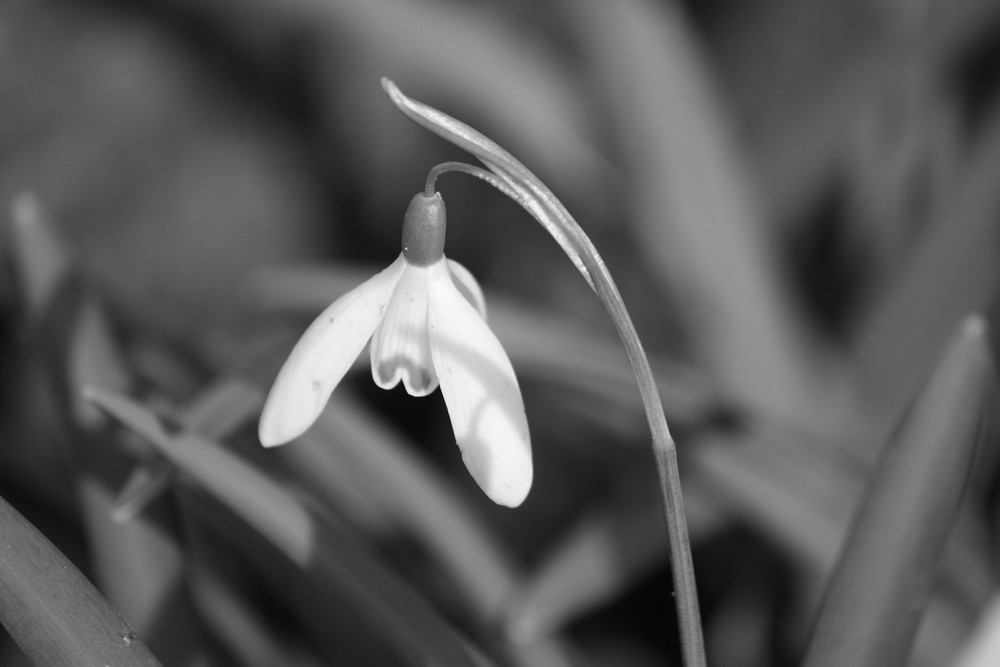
pixel 52 611
pixel 883 580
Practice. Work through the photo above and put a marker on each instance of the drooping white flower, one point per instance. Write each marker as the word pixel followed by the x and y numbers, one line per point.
pixel 424 315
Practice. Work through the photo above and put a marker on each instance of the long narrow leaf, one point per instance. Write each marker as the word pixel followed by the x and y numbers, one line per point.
pixel 696 216
pixel 954 269
pixel 240 627
pixel 983 648
pixel 420 500
pixel 596 561
pixel 138 566
pixel 890 561
pixel 414 631
pixel 54 614
pixel 216 412
pixel 269 508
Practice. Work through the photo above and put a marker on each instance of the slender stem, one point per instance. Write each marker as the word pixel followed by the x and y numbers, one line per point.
pixel 664 451
pixel 471 170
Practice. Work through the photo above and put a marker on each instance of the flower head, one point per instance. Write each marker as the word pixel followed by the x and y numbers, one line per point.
pixel 425 317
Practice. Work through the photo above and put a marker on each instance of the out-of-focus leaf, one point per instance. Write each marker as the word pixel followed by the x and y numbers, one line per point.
pixel 414 631
pixel 216 412
pixel 240 627
pixel 269 508
pixel 462 53
pixel 42 262
pixel 803 90
pixel 152 191
pixel 595 562
pixel 955 269
pixel 138 566
pixel 945 626
pixel 368 468
pixel 698 222
pixel 221 408
pixel 419 500
pixel 54 614
pixel 319 469
pixel 784 494
pixel 890 561
pixel 896 179
pixel 144 484
pixel 75 336
pixel 368 473
pixel 983 648
pixel 802 499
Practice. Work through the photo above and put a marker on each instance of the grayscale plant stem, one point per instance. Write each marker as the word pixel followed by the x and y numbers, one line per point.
pixel 664 451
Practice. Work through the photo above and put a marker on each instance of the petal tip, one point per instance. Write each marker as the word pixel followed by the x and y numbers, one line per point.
pixel 512 496
pixel 391 89
pixel 512 493
pixel 506 480
pixel 275 429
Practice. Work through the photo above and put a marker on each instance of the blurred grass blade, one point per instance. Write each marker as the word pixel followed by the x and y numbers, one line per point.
pixel 557 350
pixel 240 627
pixel 403 619
pixel 145 484
pixel 345 587
pixel 269 508
pixel 222 408
pixel 955 269
pixel 215 413
pixel 695 215
pixel 600 558
pixel 799 501
pixel 891 559
pixel 595 562
pixel 983 648
pixel 523 91
pixel 369 473
pixel 54 614
pixel 420 500
pixel 138 565
pixel 337 483
pixel 42 262
pixel 526 93
pixel 803 501
pixel 69 326
pixel 399 488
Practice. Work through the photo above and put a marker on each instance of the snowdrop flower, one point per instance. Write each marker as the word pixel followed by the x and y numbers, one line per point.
pixel 425 317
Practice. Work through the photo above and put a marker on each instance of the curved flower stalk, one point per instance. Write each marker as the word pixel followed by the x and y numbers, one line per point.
pixel 425 317
pixel 512 178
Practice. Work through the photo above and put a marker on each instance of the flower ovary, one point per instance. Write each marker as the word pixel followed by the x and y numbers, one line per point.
pixel 424 230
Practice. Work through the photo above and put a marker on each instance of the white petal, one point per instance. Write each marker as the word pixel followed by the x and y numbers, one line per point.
pixel 468 286
pixel 322 356
pixel 400 350
pixel 481 392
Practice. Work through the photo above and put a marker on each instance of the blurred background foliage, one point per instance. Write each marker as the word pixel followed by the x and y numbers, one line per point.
pixel 799 202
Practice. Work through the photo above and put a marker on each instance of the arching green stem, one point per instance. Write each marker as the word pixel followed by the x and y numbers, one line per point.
pixel 585 256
